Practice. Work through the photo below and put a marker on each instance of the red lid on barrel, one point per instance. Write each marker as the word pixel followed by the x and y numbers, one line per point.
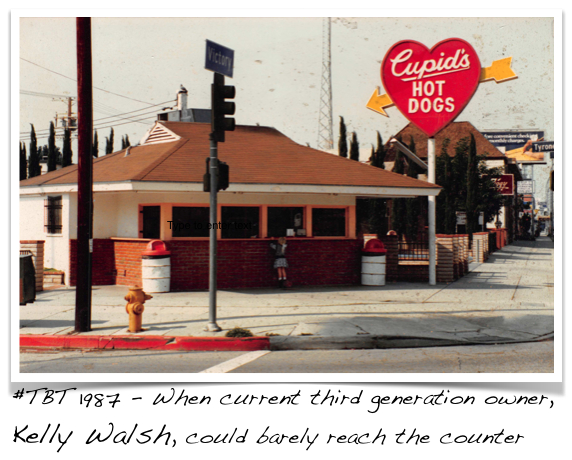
pixel 374 246
pixel 156 248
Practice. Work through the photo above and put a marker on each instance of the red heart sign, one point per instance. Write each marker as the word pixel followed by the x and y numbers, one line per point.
pixel 431 86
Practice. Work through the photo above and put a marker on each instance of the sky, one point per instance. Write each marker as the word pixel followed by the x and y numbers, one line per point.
pixel 139 64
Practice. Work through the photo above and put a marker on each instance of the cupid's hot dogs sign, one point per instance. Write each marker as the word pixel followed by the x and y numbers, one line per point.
pixel 432 86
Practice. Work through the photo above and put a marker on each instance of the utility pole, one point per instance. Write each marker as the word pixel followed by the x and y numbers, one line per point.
pixel 84 177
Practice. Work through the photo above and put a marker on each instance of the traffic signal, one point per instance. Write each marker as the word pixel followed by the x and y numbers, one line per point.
pixel 220 108
pixel 223 170
pixel 223 177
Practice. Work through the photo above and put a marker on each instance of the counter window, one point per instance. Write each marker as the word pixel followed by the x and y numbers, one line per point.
pixel 328 222
pixel 280 219
pixel 190 222
pixel 240 221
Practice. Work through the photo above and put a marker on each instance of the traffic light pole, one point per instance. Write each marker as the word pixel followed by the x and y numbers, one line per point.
pixel 212 326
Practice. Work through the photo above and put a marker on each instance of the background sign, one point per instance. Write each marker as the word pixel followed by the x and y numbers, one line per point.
pixel 517 144
pixel 504 184
pixel 219 59
pixel 525 187
pixel 431 86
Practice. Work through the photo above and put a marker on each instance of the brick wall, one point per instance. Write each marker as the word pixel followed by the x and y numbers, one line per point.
pixel 241 263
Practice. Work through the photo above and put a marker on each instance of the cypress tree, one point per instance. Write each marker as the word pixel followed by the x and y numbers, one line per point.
pixel 472 188
pixel 109 143
pixel 445 210
pixel 354 148
pixel 52 152
pixel 125 142
pixel 67 149
pixel 378 157
pixel 398 204
pixel 95 145
pixel 412 206
pixel 23 162
pixel 343 142
pixel 34 168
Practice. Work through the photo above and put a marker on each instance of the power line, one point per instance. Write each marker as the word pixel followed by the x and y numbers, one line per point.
pixel 95 87
pixel 41 131
pixel 45 136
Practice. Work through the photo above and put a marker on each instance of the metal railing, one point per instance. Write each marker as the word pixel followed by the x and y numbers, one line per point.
pixel 409 251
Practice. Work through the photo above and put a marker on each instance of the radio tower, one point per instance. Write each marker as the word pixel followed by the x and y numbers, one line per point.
pixel 325 130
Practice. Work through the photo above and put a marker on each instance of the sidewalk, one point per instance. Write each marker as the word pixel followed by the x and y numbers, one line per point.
pixel 509 298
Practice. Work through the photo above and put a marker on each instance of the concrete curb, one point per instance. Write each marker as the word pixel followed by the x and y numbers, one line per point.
pixel 149 342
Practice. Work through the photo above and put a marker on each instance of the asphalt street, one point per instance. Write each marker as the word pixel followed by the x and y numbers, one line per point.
pixel 533 357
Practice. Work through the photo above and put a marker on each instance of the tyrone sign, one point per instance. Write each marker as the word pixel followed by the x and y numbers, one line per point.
pixel 431 86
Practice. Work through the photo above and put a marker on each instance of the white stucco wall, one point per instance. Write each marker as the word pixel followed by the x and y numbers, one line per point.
pixel 56 247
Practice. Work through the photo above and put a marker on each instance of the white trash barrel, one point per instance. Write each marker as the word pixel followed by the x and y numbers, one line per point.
pixel 156 267
pixel 373 264
pixel 373 270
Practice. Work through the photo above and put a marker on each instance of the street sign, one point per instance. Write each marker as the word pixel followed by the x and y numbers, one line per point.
pixel 525 187
pixel 543 146
pixel 461 218
pixel 504 184
pixel 219 59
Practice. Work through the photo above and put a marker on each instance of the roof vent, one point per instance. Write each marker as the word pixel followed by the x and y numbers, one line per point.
pixel 160 134
pixel 127 151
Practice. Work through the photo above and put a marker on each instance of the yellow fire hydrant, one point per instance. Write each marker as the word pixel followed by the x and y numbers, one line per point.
pixel 135 300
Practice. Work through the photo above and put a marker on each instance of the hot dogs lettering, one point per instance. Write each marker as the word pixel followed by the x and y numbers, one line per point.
pixel 431 86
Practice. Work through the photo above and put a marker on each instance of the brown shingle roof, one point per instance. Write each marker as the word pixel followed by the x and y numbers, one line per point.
pixel 255 155
pixel 454 132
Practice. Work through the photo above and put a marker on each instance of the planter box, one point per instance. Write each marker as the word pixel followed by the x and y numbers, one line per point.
pixel 54 277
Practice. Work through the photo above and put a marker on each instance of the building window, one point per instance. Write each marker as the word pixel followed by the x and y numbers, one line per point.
pixel 281 219
pixel 240 221
pixel 151 222
pixel 190 222
pixel 53 215
pixel 328 222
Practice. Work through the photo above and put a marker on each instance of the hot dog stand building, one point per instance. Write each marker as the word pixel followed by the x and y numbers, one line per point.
pixel 155 191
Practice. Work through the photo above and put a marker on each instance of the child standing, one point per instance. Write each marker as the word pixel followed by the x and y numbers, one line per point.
pixel 280 262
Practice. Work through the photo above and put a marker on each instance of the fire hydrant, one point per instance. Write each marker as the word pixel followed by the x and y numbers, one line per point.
pixel 136 298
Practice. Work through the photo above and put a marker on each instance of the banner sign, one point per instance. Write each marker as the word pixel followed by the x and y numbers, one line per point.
pixel 517 144
pixel 525 187
pixel 504 184
pixel 432 86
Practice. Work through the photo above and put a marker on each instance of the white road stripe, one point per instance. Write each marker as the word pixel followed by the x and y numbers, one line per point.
pixel 232 364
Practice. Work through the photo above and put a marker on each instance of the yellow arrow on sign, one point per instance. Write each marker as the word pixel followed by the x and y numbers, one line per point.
pixel 498 71
pixel 377 102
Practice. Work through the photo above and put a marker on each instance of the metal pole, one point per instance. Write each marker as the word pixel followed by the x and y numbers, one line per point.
pixel 84 177
pixel 431 210
pixel 212 326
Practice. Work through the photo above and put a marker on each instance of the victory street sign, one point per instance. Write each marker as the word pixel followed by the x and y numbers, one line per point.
pixel 219 59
